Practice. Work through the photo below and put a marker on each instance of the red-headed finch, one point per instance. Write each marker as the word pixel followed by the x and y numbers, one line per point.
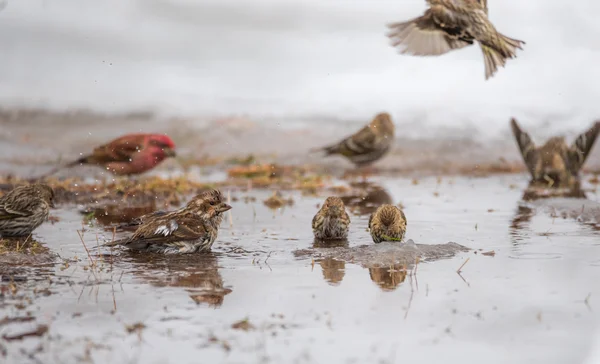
pixel 190 229
pixel 555 163
pixel 25 208
pixel 454 24
pixel 368 144
pixel 387 223
pixel 332 221
pixel 129 154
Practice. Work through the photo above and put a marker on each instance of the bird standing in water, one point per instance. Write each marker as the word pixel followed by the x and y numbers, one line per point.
pixel 555 163
pixel 332 221
pixel 25 208
pixel 453 24
pixel 128 155
pixel 368 144
pixel 387 223
pixel 191 229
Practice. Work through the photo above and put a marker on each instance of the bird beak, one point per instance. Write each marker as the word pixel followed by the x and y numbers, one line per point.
pixel 223 207
pixel 169 152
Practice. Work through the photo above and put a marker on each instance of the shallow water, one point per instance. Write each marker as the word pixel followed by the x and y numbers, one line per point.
pixel 535 300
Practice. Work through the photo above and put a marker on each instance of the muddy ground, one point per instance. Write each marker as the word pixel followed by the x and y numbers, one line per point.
pixel 527 289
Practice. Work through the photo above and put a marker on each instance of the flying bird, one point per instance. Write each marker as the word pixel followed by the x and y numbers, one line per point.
pixel 367 145
pixel 191 229
pixel 387 223
pixel 555 163
pixel 128 155
pixel 453 24
pixel 25 208
pixel 332 221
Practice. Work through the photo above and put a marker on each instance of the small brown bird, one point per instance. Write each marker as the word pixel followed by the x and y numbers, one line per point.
pixel 128 155
pixel 387 223
pixel 25 208
pixel 191 229
pixel 368 144
pixel 332 221
pixel 555 163
pixel 454 24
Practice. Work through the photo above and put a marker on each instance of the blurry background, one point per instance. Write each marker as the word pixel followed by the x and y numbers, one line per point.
pixel 314 69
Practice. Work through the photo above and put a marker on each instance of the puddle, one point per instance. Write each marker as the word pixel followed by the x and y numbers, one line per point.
pixel 268 293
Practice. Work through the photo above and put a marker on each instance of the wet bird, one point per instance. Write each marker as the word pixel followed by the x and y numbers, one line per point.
pixel 453 24
pixel 128 155
pixel 387 223
pixel 367 145
pixel 555 163
pixel 191 229
pixel 332 221
pixel 25 208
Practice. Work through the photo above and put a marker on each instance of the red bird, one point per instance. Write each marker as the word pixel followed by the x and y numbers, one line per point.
pixel 129 154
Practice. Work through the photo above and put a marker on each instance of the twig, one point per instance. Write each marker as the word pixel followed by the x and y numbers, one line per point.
pixel 229 202
pixel 459 269
pixel 86 249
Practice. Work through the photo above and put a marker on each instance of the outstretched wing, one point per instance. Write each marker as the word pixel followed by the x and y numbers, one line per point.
pixel 433 34
pixel 526 146
pixel 581 147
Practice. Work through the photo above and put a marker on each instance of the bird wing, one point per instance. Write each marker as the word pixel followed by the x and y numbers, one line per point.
pixel 115 151
pixel 484 5
pixel 526 145
pixel 435 33
pixel 581 147
pixel 11 207
pixel 164 230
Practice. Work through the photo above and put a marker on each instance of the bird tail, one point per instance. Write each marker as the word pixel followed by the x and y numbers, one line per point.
pixel 328 150
pixel 67 165
pixel 116 242
pixel 496 53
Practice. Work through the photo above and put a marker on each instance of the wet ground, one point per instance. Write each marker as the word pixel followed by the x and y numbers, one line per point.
pixel 527 289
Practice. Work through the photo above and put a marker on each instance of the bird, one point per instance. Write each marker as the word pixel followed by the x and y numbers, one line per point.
pixel 368 144
pixel 387 223
pixel 25 208
pixel 130 154
pixel 555 163
pixel 191 229
pixel 331 221
pixel 453 24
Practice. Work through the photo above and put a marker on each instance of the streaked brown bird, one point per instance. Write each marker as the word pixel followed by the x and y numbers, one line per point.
pixel 25 208
pixel 331 221
pixel 555 163
pixel 128 155
pixel 367 145
pixel 387 223
pixel 453 24
pixel 191 229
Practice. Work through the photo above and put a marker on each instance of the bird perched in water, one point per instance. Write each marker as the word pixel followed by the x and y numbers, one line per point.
pixel 190 229
pixel 454 24
pixel 25 208
pixel 387 223
pixel 555 163
pixel 128 155
pixel 368 144
pixel 332 221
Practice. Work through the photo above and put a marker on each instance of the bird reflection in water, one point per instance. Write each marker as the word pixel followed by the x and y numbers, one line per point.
pixel 365 198
pixel 388 278
pixel 198 274
pixel 333 270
